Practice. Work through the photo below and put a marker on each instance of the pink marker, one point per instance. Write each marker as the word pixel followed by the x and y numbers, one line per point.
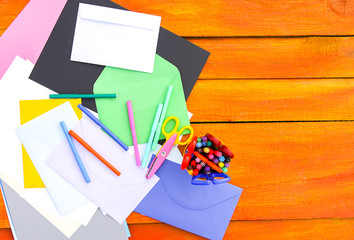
pixel 132 128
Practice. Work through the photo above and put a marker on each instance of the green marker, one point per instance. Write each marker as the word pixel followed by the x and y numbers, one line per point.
pixel 164 110
pixel 56 96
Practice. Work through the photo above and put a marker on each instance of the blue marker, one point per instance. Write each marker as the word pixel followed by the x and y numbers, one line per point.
pixel 99 123
pixel 76 154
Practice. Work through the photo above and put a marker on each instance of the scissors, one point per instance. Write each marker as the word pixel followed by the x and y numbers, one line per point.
pixel 172 138
pixel 207 179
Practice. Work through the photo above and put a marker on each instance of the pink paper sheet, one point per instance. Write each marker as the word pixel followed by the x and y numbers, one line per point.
pixel 29 32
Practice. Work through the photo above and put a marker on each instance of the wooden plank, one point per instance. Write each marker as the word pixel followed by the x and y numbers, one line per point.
pixel 288 229
pixel 272 100
pixel 9 10
pixel 5 234
pixel 313 57
pixel 4 223
pixel 250 18
pixel 234 18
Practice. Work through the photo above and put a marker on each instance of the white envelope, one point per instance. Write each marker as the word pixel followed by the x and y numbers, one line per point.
pixel 40 137
pixel 116 195
pixel 116 38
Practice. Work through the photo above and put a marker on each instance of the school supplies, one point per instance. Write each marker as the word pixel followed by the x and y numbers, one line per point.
pixel 116 196
pixel 99 123
pixel 172 139
pixel 29 224
pixel 146 91
pixel 30 109
pixel 54 68
pixel 132 128
pixel 207 159
pixel 40 137
pixel 54 96
pixel 89 148
pixel 98 38
pixel 152 134
pixel 162 117
pixel 10 146
pixel 213 178
pixel 219 145
pixel 40 200
pixel 28 33
pixel 73 148
pixel 205 211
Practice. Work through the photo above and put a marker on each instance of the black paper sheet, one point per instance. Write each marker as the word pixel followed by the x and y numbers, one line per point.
pixel 55 70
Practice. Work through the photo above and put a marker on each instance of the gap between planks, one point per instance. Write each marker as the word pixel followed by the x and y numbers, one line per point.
pixel 233 18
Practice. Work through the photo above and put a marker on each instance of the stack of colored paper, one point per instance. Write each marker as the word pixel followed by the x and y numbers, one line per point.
pixel 97 47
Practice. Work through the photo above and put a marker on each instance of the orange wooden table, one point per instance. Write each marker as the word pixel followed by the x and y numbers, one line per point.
pixel 279 89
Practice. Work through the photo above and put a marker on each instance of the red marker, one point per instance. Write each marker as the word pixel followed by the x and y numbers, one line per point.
pixel 210 163
pixel 89 148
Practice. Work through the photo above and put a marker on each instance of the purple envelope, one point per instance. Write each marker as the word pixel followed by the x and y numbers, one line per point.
pixel 202 210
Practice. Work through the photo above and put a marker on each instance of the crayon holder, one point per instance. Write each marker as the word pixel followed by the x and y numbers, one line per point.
pixel 207 159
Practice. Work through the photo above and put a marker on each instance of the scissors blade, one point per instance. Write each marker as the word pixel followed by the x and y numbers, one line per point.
pixel 161 156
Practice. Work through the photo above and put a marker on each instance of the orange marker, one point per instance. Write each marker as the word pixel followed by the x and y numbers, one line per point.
pixel 88 147
pixel 210 163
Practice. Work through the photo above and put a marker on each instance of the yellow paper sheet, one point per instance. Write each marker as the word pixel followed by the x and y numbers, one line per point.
pixel 30 109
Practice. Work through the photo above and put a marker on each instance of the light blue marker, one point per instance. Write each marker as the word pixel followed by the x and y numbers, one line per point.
pixel 164 110
pixel 76 154
pixel 152 134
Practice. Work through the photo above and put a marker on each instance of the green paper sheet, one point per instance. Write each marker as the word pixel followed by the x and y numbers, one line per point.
pixel 146 91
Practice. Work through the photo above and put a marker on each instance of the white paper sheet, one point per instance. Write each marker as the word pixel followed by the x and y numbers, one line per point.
pixel 11 165
pixel 66 225
pixel 114 37
pixel 116 195
pixel 40 137
pixel 15 86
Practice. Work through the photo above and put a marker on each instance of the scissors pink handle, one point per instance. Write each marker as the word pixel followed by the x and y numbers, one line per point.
pixel 161 156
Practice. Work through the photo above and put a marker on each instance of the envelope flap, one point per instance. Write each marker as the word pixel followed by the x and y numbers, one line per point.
pixel 177 184
pixel 117 16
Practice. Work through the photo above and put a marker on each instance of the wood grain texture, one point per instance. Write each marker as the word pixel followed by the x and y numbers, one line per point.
pixel 255 230
pixel 5 234
pixel 234 18
pixel 272 100
pixel 250 18
pixel 4 223
pixel 312 57
pixel 289 170
pixel 9 10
